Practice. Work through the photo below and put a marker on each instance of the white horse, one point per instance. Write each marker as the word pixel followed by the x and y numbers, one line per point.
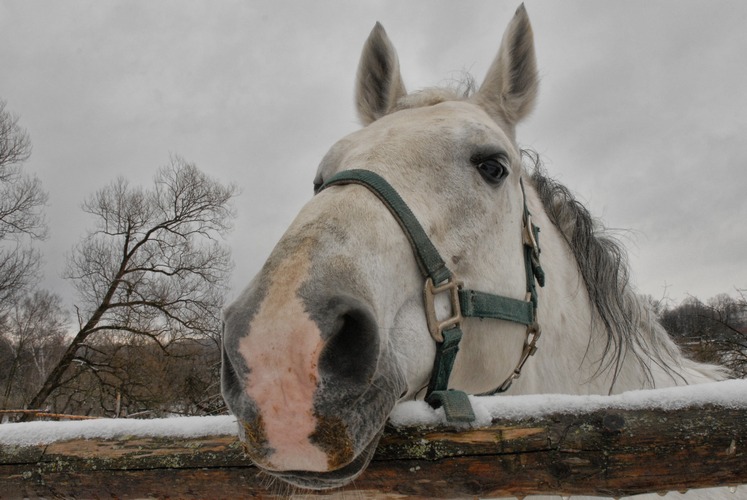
pixel 336 327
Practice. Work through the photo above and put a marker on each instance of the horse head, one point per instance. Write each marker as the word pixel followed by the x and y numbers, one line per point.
pixel 331 333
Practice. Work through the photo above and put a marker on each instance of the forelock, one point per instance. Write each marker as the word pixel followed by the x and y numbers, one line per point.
pixel 458 91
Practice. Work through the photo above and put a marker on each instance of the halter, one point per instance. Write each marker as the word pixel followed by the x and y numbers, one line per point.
pixel 464 303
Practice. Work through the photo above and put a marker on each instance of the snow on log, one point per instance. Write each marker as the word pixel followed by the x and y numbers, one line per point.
pixel 645 441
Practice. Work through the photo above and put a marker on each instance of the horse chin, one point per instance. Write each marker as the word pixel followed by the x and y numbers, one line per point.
pixel 332 479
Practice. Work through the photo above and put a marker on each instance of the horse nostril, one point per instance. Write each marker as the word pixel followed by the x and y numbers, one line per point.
pixel 351 352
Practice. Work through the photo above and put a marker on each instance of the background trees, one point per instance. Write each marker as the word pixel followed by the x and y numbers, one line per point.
pixel 32 323
pixel 134 377
pixel 152 272
pixel 150 277
pixel 714 331
pixel 21 218
pixel 33 338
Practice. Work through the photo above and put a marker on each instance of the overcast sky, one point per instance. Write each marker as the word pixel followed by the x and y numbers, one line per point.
pixel 642 110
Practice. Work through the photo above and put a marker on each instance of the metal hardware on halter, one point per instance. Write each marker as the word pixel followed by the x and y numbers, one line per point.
pixel 436 326
pixel 530 347
pixel 528 234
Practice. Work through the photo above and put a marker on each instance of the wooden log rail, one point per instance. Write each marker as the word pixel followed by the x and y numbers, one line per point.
pixel 605 452
pixel 44 414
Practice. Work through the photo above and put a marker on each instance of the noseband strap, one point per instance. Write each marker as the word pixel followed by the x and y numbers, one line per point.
pixel 464 303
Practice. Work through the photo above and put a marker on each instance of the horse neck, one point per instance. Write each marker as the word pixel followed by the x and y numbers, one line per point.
pixel 574 356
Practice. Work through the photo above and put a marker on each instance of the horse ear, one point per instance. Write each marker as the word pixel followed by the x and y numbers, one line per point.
pixel 379 83
pixel 510 88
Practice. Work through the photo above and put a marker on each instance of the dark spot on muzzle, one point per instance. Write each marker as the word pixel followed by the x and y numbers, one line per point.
pixel 331 436
pixel 254 440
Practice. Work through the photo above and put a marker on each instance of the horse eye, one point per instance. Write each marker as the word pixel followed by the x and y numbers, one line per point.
pixel 494 169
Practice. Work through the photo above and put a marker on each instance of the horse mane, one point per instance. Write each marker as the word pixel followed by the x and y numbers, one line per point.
pixel 630 325
pixel 602 261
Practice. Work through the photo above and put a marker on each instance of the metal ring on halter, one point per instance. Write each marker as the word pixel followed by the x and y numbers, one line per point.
pixel 435 326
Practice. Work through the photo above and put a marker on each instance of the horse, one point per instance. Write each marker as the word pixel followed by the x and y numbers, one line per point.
pixel 338 325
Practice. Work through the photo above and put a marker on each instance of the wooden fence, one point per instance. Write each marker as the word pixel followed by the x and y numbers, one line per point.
pixel 606 452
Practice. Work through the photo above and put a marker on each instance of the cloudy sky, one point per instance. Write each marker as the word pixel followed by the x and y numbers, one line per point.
pixel 642 111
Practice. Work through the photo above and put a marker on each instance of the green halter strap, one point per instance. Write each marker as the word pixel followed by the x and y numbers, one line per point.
pixel 464 303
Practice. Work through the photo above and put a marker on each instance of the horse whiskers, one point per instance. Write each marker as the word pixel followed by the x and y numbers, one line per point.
pixel 272 484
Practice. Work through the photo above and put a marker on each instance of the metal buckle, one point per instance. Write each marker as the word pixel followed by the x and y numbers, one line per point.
pixel 528 234
pixel 530 345
pixel 436 326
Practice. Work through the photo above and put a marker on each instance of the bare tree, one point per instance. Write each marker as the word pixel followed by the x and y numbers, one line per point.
pixel 152 267
pixel 21 219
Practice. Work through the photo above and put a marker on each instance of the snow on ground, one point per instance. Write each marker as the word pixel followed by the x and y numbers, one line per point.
pixel 731 394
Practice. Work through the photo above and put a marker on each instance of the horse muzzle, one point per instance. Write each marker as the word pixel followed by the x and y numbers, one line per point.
pixel 310 383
